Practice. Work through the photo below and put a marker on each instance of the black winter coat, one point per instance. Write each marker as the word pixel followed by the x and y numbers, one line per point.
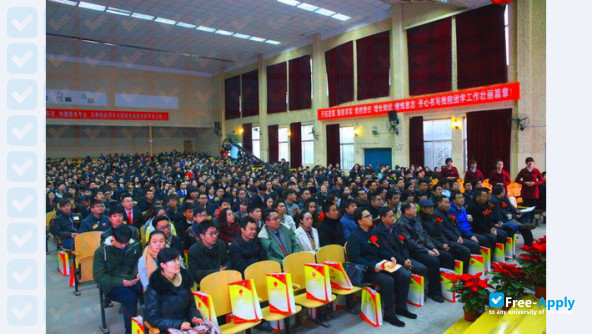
pixel 331 232
pixel 450 230
pixel 416 239
pixel 434 229
pixel 167 306
pixel 481 217
pixel 390 244
pixel 243 254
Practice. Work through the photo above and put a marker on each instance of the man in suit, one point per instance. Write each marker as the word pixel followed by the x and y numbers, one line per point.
pixel 423 249
pixel 501 212
pixel 96 221
pixel 482 223
pixel 259 199
pixel 202 202
pixel 133 216
pixel 182 192
pixel 277 240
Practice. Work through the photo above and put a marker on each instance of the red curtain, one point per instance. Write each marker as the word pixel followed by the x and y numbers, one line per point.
pixel 250 93
pixel 481 45
pixel 274 150
pixel 429 48
pixel 373 55
pixel 489 138
pixel 340 73
pixel 232 97
pixel 296 144
pixel 333 148
pixel 416 154
pixel 300 84
pixel 276 88
pixel 248 137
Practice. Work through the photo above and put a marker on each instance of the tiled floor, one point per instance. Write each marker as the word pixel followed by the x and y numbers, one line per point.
pixel 66 313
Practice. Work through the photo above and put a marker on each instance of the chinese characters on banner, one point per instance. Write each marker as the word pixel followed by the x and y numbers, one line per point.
pixel 465 97
pixel 107 114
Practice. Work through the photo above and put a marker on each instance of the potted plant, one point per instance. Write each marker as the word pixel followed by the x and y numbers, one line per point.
pixel 472 291
pixel 509 279
pixel 534 261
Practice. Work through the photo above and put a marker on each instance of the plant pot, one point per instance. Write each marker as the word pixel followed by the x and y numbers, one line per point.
pixel 540 292
pixel 470 316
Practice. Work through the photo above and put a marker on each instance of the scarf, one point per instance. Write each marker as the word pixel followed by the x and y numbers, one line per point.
pixel 150 258
pixel 176 281
pixel 279 238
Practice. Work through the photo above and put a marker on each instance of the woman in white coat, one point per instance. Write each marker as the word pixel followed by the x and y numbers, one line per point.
pixel 306 235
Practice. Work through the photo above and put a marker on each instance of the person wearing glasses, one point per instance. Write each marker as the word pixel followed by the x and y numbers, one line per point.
pixel 277 240
pixel 209 255
pixel 162 223
pixel 96 221
pixel 363 248
pixel 115 270
pixel 192 233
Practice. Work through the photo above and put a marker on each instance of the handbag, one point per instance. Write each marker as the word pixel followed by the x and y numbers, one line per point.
pixel 355 272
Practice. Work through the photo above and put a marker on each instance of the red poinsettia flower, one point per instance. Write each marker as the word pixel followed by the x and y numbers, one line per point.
pixel 438 219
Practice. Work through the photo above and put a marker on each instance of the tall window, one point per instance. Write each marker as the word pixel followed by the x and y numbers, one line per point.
pixel 256 142
pixel 283 144
pixel 437 142
pixel 307 145
pixel 346 147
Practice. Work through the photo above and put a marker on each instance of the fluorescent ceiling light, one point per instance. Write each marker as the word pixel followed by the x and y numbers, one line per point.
pixel 186 25
pixel 289 2
pixel 341 17
pixel 224 32
pixel 309 7
pixel 143 16
pixel 271 41
pixel 92 6
pixel 325 12
pixel 118 11
pixel 243 36
pixel 165 21
pixel 89 41
pixel 65 2
pixel 206 29
pixel 257 39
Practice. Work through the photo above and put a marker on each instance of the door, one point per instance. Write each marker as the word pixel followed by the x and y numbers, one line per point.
pixel 187 146
pixel 377 157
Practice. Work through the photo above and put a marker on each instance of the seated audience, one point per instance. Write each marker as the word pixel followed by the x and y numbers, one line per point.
pixel 306 235
pixel 347 220
pixel 482 223
pixel 67 224
pixel 229 228
pixel 246 248
pixel 116 220
pixel 277 240
pixel 192 233
pixel 330 230
pixel 285 219
pixel 209 255
pixel 96 221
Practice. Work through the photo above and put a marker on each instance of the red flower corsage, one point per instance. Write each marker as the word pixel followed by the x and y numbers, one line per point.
pixel 374 239
pixel 438 219
pixel 401 237
pixel 453 219
pixel 491 205
pixel 486 212
pixel 504 204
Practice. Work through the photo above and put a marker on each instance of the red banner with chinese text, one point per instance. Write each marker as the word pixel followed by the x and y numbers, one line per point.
pixel 465 97
pixel 106 114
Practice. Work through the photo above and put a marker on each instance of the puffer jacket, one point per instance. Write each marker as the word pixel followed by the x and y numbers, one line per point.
pixel 167 306
pixel 112 265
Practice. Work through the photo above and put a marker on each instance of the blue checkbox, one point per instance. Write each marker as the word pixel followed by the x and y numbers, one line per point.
pixel 22 94
pixel 22 22
pixel 22 238
pixel 21 274
pixel 22 58
pixel 21 310
pixel 22 202
pixel 22 166
pixel 21 130
pixel 496 299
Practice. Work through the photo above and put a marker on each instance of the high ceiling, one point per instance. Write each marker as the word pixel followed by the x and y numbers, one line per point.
pixel 143 44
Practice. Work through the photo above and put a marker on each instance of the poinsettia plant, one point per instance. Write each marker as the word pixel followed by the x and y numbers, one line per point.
pixel 509 279
pixel 534 261
pixel 472 290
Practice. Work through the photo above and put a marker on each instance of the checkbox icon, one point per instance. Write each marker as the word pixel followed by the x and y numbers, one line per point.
pixel 22 58
pixel 21 130
pixel 22 310
pixel 22 22
pixel 21 238
pixel 496 299
pixel 22 203
pixel 22 274
pixel 22 94
pixel 22 166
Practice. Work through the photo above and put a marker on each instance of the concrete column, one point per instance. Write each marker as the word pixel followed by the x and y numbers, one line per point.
pixel 320 99
pixel 262 118
pixel 400 83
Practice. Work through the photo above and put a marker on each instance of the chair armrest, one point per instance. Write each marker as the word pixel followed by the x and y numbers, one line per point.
pixel 75 253
pixel 297 286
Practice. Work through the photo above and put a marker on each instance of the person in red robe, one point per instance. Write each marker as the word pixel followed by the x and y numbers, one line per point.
pixel 473 174
pixel 449 172
pixel 499 175
pixel 530 178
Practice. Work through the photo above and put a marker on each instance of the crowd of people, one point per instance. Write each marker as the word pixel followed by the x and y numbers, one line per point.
pixel 227 214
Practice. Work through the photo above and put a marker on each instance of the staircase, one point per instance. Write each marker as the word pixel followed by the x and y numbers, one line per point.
pixel 505 323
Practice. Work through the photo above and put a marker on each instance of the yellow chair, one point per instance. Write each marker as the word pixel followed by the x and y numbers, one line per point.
pixel 48 217
pixel 294 264
pixel 85 245
pixel 257 272
pixel 216 285
pixel 336 253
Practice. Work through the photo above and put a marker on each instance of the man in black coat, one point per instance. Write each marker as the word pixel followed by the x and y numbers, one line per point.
pixel 209 255
pixel 392 243
pixel 502 211
pixel 449 226
pixel 133 215
pixel 96 221
pixel 330 229
pixel 246 248
pixel 67 224
pixel 362 248
pixel 423 249
pixel 482 223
